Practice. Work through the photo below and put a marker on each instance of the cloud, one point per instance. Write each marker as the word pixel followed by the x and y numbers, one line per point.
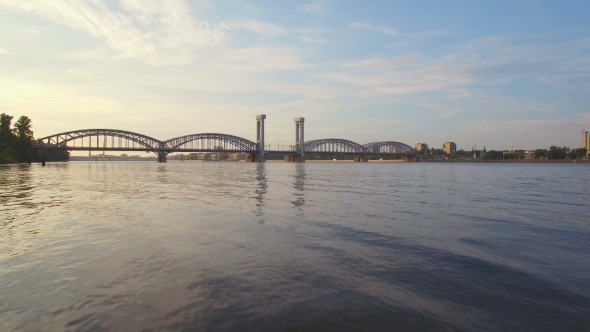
pixel 305 39
pixel 482 62
pixel 157 33
pixel 78 73
pixel 317 7
pixel 249 7
pixel 401 74
pixel 96 54
pixel 377 28
pixel 22 96
pixel 262 28
pixel 4 52
pixel 256 60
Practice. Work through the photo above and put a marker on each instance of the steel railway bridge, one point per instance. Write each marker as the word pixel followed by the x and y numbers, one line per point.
pixel 120 140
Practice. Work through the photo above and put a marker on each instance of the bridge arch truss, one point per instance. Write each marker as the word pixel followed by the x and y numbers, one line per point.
pixel 209 142
pixel 112 139
pixel 336 145
pixel 389 147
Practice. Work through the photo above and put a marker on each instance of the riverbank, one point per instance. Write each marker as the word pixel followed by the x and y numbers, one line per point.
pixel 517 161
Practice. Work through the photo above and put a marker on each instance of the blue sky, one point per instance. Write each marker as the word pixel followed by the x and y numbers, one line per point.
pixel 493 73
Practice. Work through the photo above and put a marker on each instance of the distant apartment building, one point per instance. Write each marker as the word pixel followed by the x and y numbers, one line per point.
pixel 586 142
pixel 450 147
pixel 422 148
pixel 530 154
pixel 394 149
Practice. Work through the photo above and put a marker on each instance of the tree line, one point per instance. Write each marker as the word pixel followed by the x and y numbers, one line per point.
pixel 553 153
pixel 17 142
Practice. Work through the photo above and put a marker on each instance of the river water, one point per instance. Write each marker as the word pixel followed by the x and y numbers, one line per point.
pixel 229 246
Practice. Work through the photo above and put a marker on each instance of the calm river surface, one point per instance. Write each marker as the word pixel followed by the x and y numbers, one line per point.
pixel 228 246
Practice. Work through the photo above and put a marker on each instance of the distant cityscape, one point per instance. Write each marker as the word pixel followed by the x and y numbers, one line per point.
pixel 448 151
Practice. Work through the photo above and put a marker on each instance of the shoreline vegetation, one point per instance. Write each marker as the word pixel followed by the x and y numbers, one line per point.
pixel 17 141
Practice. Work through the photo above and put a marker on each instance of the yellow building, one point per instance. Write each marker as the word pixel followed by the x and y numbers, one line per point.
pixel 422 148
pixel 450 147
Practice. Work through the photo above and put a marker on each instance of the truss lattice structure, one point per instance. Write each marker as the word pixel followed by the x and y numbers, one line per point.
pixel 209 142
pixel 121 140
pixel 334 145
pixel 389 147
pixel 117 140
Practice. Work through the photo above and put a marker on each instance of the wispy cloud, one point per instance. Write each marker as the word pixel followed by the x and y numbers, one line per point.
pixel 262 28
pixel 20 96
pixel 306 39
pixel 317 7
pixel 256 60
pixel 249 7
pixel 376 28
pixel 402 74
pixel 486 61
pixel 158 33
pixel 78 73
pixel 4 52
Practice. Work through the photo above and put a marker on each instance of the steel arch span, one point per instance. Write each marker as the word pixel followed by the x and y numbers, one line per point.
pixel 389 147
pixel 61 140
pixel 209 141
pixel 334 145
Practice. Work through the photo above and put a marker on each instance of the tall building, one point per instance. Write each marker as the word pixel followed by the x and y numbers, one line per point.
pixel 450 147
pixel 422 148
pixel 586 142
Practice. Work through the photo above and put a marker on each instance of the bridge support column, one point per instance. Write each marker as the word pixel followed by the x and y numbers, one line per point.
pixel 162 157
pixel 260 136
pixel 299 139
pixel 252 158
pixel 293 158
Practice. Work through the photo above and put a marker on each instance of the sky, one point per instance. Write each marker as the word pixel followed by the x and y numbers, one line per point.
pixel 499 74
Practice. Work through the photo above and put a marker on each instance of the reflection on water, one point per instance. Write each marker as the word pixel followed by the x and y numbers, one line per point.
pixel 299 185
pixel 294 247
pixel 260 191
pixel 162 174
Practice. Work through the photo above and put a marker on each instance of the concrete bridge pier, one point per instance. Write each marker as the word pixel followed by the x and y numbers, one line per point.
pixel 162 157
pixel 293 159
pixel 252 158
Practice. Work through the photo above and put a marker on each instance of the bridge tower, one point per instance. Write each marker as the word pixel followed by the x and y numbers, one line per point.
pixel 260 135
pixel 299 138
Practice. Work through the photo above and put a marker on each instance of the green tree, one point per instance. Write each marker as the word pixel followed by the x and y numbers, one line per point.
pixel 573 154
pixel 22 127
pixel 577 153
pixel 494 155
pixel 24 138
pixel 540 153
pixel 6 139
pixel 5 131
pixel 557 152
